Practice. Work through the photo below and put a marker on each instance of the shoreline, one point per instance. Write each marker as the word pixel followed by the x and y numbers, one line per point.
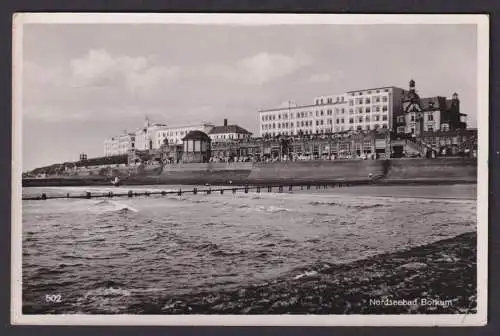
pixel 440 275
pixel 82 182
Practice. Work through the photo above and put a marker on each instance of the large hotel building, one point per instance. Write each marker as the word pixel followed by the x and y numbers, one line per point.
pixel 392 108
pixel 366 109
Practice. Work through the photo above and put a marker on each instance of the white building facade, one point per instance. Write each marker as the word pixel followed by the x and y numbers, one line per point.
pixel 119 145
pixel 150 136
pixel 354 110
pixel 174 134
pixel 145 136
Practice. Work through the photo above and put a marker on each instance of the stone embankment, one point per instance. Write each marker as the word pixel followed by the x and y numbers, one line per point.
pixel 394 171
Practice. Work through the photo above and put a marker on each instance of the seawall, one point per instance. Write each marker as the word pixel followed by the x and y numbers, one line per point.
pixel 396 171
pixel 316 171
pixel 432 170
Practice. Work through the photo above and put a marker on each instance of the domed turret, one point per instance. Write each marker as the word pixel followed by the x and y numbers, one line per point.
pixel 411 96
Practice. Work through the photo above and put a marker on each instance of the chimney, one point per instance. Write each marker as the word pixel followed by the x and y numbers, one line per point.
pixel 225 122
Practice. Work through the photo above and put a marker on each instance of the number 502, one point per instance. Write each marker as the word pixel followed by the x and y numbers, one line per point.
pixel 53 298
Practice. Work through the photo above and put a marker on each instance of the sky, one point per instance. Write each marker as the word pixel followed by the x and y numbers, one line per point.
pixel 82 83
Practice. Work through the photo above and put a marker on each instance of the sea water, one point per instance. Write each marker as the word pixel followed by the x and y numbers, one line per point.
pixel 104 255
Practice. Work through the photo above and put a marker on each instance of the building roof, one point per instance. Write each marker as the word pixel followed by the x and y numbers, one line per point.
pixel 196 135
pixel 431 103
pixel 374 88
pixel 228 129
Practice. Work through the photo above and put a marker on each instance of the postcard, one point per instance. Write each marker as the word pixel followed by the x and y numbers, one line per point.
pixel 250 169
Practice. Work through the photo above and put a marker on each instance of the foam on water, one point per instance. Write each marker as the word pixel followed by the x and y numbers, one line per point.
pixel 210 242
pixel 114 206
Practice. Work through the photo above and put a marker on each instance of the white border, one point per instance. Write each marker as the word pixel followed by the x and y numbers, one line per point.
pixel 478 319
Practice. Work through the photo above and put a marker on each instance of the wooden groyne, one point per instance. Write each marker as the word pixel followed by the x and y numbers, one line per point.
pixel 194 191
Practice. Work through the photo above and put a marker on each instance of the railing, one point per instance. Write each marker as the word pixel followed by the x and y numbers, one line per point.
pixel 419 145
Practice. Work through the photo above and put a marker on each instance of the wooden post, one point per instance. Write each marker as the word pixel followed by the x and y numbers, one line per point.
pixel 179 193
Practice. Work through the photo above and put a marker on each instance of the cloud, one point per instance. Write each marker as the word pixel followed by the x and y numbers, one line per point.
pixel 260 68
pixel 100 69
pixel 52 114
pixel 326 77
pixel 320 78
pixel 95 84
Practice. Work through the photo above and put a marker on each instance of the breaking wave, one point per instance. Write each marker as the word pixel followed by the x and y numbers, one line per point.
pixel 343 205
pixel 115 206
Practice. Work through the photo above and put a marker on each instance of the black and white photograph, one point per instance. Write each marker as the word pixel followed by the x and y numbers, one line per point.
pixel 250 169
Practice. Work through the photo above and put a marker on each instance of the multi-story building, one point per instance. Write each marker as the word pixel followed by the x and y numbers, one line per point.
pixel 119 145
pixel 419 115
pixel 145 135
pixel 365 109
pixel 228 132
pixel 174 134
pixel 154 135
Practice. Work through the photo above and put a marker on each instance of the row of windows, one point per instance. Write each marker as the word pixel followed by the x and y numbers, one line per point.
pixel 229 136
pixel 367 119
pixel 401 119
pixel 368 92
pixel 367 100
pixel 285 116
pixel 401 129
pixel 328 130
pixel 444 127
pixel 321 101
pixel 430 117
pixel 286 124
pixel 329 112
pixel 368 109
pixel 329 121
pixel 172 133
